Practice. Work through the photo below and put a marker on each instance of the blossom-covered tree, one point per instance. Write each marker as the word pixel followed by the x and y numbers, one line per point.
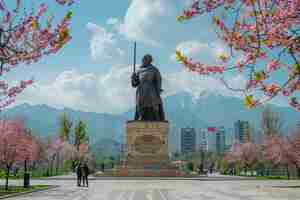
pixel 278 151
pixel 264 35
pixel 78 139
pixel 249 155
pixel 245 154
pixel 26 38
pixel 51 152
pixel 234 156
pixel 61 149
pixel 83 151
pixel 16 145
pixel 295 150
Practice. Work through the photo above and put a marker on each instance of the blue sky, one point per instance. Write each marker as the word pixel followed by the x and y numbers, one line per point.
pixel 92 72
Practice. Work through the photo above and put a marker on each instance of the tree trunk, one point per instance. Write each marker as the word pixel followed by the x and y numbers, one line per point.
pixel 57 164
pixel 25 166
pixel 6 178
pixel 262 173
pixel 288 172
pixel 252 171
pixel 235 171
pixel 73 166
pixel 48 172
pixel 51 168
pixel 267 171
pixel 298 172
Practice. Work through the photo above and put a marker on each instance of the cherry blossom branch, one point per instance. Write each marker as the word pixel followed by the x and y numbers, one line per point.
pixel 25 39
pixel 263 28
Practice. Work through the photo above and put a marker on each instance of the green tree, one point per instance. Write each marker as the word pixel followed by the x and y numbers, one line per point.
pixel 81 135
pixel 65 127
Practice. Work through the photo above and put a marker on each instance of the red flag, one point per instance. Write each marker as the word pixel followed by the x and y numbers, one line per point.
pixel 211 129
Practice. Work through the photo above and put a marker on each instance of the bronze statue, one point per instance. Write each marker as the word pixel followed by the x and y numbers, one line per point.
pixel 148 82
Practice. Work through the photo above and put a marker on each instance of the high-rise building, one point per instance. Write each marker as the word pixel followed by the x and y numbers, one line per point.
pixel 242 131
pixel 216 140
pixel 203 140
pixel 220 140
pixel 188 140
pixel 298 125
pixel 229 137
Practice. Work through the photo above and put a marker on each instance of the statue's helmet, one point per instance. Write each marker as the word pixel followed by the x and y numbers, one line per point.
pixel 147 59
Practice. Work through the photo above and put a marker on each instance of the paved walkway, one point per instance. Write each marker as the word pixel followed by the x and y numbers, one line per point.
pixel 167 190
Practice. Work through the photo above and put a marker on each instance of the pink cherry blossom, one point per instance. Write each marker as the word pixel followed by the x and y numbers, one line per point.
pixel 266 35
pixel 25 39
pixel 16 145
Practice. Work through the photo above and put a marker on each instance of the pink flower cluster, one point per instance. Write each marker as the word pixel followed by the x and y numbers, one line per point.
pixel 66 149
pixel 12 92
pixel 274 149
pixel 198 67
pixel 267 35
pixel 245 154
pixel 27 39
pixel 16 145
pixel 283 151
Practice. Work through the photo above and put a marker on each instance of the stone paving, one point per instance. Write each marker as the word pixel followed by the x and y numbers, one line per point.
pixel 167 190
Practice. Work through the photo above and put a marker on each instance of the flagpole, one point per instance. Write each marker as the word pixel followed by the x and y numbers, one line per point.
pixel 134 58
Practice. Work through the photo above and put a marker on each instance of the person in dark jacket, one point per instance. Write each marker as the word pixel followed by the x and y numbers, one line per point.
pixel 79 174
pixel 86 173
pixel 211 169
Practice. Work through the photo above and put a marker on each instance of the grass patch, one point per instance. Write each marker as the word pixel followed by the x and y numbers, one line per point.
pixel 20 189
pixel 272 178
pixel 288 186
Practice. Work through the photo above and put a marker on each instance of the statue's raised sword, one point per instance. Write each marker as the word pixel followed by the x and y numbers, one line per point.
pixel 134 58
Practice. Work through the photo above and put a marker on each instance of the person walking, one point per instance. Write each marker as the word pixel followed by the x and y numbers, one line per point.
pixel 211 169
pixel 86 173
pixel 79 174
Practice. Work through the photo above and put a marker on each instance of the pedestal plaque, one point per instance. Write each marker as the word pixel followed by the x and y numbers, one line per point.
pixel 147 144
pixel 147 151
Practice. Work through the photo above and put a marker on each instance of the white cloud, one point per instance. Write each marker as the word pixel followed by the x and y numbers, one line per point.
pixel 192 48
pixel 150 21
pixel 207 52
pixel 140 15
pixel 103 44
pixel 197 85
pixel 154 22
pixel 111 92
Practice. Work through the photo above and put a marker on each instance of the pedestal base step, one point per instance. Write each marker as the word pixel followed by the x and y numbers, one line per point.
pixel 130 172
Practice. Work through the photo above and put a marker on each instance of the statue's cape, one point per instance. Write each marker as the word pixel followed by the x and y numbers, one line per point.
pixel 148 68
pixel 148 91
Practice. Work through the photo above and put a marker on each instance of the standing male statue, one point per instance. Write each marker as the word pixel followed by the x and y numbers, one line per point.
pixel 148 82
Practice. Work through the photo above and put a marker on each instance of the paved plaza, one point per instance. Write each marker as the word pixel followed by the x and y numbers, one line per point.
pixel 167 190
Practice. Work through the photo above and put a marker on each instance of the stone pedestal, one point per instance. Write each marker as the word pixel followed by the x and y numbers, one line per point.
pixel 147 151
pixel 147 145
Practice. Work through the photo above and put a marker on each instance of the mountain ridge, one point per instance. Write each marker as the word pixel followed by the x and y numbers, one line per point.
pixel 182 110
